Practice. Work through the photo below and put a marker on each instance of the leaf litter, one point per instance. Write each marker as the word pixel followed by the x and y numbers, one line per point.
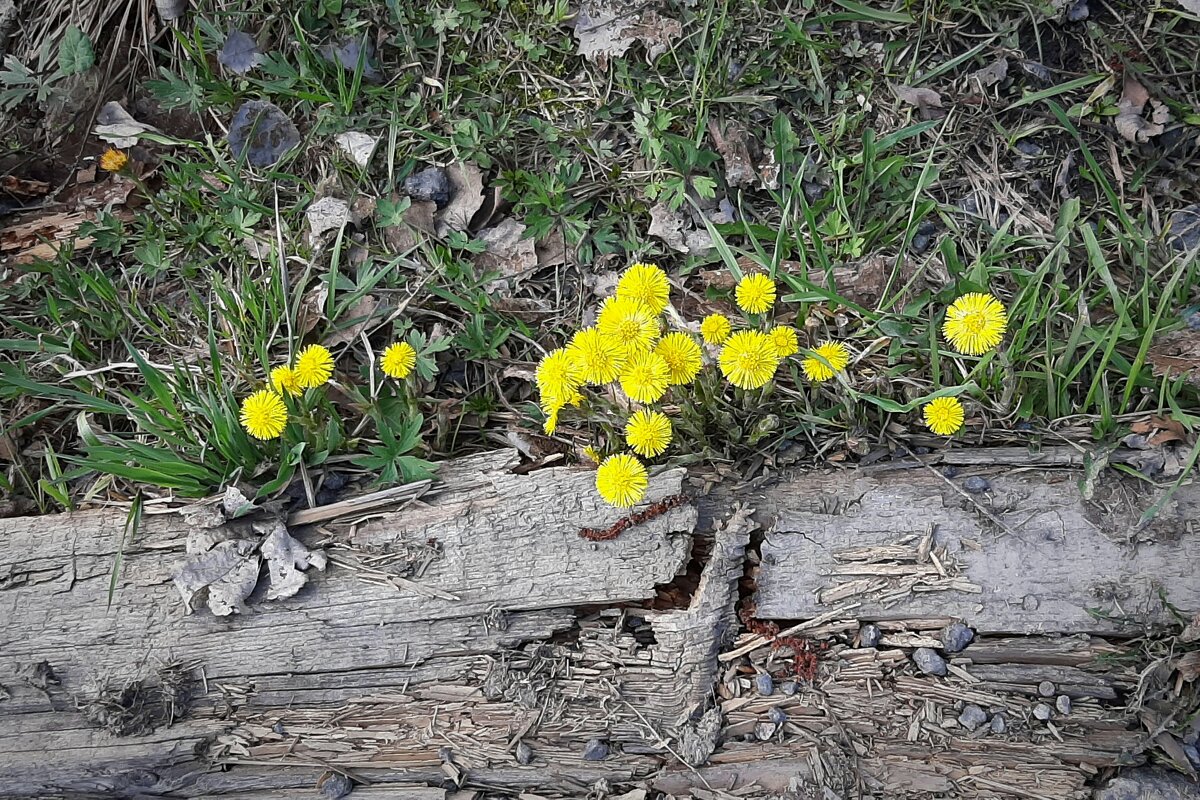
pixel 117 127
pixel 358 146
pixel 1130 122
pixel 466 197
pixel 608 28
pixel 240 54
pixel 261 133
pixel 508 253
pixel 348 52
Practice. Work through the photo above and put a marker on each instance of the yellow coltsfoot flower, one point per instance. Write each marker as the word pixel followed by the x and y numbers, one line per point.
pixel 113 160
pixel 314 366
pixel 785 340
pixel 682 355
pixel 398 360
pixel 975 323
pixel 755 293
pixel 558 373
pixel 621 480
pixel 944 415
pixel 716 329
pixel 264 416
pixel 600 358
pixel 827 360
pixel 629 321
pixel 648 433
pixel 645 377
pixel 748 359
pixel 646 284
pixel 283 379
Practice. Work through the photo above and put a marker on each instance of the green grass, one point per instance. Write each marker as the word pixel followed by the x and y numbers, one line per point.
pixel 126 361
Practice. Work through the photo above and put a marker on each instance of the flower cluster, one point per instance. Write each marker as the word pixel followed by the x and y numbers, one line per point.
pixel 264 413
pixel 975 324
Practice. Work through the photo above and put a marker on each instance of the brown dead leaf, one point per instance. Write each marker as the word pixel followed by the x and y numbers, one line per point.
pixel 927 101
pixel 224 577
pixel 993 73
pixel 1130 123
pixel 286 561
pixel 1191 632
pixel 734 146
pixel 115 126
pixel 418 221
pixel 312 308
pixel 466 197
pixel 507 253
pixel 1177 355
pixel 677 231
pixel 551 251
pixel 326 214
pixel 1188 666
pixel 23 187
pixel 607 28
pixel 359 316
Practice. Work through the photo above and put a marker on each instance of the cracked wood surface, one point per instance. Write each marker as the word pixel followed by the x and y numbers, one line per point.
pixel 1056 557
pixel 551 641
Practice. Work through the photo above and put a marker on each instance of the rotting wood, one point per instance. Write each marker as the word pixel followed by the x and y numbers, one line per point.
pixel 546 647
pixel 1060 564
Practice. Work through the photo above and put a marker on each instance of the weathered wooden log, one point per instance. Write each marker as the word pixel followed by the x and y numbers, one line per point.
pixel 474 639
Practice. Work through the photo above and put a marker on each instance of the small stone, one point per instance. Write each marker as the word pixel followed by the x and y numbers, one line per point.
pixel 950 471
pixel 869 635
pixel 777 715
pixel 1043 712
pixel 764 684
pixel 998 725
pixel 921 243
pixel 788 688
pixel 278 728
pixel 595 750
pixel 976 484
pixel 1063 704
pixel 1030 602
pixel 430 183
pixel 1078 11
pixel 1046 689
pixel 763 731
pixel 972 716
pixel 928 661
pixel 1193 754
pixel 334 785
pixel 955 637
pixel 1183 228
pixel 1028 148
pixel 524 753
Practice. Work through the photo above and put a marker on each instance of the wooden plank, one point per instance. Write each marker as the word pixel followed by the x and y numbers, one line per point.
pixel 1054 563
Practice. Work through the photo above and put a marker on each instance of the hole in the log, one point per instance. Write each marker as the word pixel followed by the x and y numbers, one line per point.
pixel 678 594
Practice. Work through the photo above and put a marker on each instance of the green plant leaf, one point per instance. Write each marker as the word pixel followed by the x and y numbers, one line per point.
pixel 75 52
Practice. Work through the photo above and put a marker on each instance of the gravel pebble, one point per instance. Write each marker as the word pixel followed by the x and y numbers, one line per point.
pixel 788 688
pixel 430 183
pixel 1028 148
pixel 921 243
pixel 976 484
pixel 595 750
pixel 1078 11
pixel 765 730
pixel 869 635
pixel 777 715
pixel 336 786
pixel 1063 704
pixel 998 725
pixel 972 716
pixel 524 753
pixel 1183 228
pixel 955 637
pixel 928 661
pixel 765 684
pixel 1043 712
pixel 1046 689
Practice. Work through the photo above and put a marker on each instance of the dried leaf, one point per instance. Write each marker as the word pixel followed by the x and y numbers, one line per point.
pixel 235 504
pixel 507 253
pixel 925 100
pixel 417 219
pixel 286 558
pixel 261 133
pixel 359 315
pixel 993 73
pixel 312 308
pixel 115 126
pixel 674 228
pixel 1191 632
pixel 466 197
pixel 240 53
pixel 1130 123
pixel 324 215
pixel 733 145
pixel 607 28
pixel 358 146
pixel 1183 228
pixel 1177 355
pixel 226 575
pixel 347 53
pixel 552 250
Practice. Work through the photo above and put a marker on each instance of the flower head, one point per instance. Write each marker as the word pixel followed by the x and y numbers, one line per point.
pixel 592 454
pixel 314 366
pixel 682 355
pixel 715 328
pixel 645 376
pixel 283 379
pixel 646 284
pixel 621 480
pixel 748 359
pixel 113 160
pixel 648 433
pixel 785 341
pixel 755 293
pixel 264 415
pixel 975 323
pixel 558 373
pixel 629 321
pixel 600 358
pixel 398 360
pixel 944 415
pixel 827 360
